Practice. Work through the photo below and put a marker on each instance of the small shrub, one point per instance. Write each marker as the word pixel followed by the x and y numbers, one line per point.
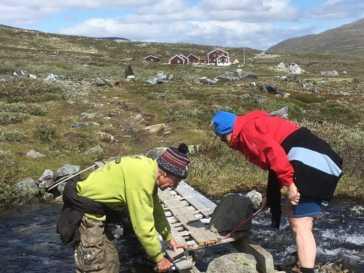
pixel 46 133
pixel 30 108
pixel 26 90
pixel 11 136
pixel 7 118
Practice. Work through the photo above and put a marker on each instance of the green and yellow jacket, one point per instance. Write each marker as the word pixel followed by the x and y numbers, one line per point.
pixel 131 182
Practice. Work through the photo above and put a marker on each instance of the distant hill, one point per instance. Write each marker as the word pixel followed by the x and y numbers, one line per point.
pixel 347 39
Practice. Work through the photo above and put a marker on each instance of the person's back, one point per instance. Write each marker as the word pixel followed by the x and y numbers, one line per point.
pixel 108 184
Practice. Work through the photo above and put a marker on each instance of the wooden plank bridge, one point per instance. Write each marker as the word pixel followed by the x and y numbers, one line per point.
pixel 189 213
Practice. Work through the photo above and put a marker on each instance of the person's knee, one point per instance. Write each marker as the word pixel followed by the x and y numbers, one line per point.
pixel 301 225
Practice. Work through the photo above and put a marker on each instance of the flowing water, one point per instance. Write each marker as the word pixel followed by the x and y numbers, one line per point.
pixel 29 243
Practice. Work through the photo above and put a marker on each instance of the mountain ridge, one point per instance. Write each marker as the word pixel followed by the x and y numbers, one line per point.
pixel 347 39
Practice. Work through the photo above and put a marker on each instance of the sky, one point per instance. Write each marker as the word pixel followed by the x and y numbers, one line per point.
pixel 257 24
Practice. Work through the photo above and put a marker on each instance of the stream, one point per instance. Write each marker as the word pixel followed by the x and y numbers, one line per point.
pixel 29 243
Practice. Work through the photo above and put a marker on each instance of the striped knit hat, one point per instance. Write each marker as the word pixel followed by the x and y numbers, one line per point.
pixel 175 161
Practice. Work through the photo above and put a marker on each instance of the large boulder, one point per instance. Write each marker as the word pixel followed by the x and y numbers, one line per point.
pixel 230 212
pixel 233 263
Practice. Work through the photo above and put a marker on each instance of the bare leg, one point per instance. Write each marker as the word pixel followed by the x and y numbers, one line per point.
pixel 305 241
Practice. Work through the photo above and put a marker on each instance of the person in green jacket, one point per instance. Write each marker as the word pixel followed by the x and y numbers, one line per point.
pixel 130 182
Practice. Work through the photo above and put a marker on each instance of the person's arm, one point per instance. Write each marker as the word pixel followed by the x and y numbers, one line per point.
pixel 140 205
pixel 278 162
pixel 160 220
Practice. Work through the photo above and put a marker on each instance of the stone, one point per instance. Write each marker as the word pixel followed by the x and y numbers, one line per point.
pixel 295 69
pixel 230 212
pixel 106 137
pixel 263 258
pixel 46 179
pixel 130 78
pixel 156 128
pixel 233 263
pixel 96 150
pixel 27 189
pixel 100 82
pixel 205 80
pixel 85 115
pixel 268 88
pixel 155 152
pixel 332 73
pixel 256 198
pixel 34 154
pixel 51 77
pixel 66 170
pixel 161 77
pixel 283 112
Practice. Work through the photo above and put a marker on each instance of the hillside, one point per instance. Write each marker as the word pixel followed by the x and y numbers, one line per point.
pixel 347 39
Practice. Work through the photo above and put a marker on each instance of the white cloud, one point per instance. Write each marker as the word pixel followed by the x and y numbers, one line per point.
pixel 26 11
pixel 226 33
pixel 250 9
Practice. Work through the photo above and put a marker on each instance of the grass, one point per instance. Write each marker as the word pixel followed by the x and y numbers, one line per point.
pixel 49 116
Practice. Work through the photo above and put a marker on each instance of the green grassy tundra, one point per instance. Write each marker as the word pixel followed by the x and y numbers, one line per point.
pixel 63 119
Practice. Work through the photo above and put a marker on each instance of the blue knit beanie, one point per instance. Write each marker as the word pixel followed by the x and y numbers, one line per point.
pixel 223 123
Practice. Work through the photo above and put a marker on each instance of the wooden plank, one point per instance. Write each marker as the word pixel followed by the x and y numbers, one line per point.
pixel 196 199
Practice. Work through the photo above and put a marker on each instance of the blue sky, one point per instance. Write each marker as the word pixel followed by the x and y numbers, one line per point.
pixel 253 23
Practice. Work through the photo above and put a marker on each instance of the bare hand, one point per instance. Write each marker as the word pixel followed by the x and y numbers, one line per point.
pixel 293 194
pixel 163 265
pixel 174 245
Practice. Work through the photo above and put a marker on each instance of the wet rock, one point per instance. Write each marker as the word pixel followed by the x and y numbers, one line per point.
pixel 357 210
pixel 66 170
pixel 34 154
pixel 27 189
pixel 47 197
pixel 233 263
pixel 46 179
pixel 256 198
pixel 156 128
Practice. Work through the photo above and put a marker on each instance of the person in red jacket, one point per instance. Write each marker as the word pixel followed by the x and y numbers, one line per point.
pixel 296 159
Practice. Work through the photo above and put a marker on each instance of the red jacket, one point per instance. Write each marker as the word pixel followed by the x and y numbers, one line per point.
pixel 258 135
